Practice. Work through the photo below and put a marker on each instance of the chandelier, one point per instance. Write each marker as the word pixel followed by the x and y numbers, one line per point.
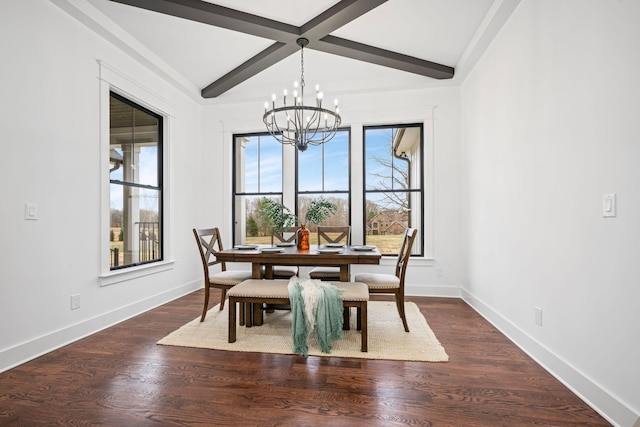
pixel 298 124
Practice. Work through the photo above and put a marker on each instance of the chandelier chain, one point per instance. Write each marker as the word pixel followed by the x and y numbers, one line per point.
pixel 302 69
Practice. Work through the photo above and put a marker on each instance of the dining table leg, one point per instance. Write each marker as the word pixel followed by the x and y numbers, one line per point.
pixel 345 276
pixel 256 270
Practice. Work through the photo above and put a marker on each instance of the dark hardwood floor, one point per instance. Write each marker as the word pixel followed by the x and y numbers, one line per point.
pixel 120 377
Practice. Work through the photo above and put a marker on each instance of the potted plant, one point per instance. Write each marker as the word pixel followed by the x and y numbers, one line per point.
pixel 282 217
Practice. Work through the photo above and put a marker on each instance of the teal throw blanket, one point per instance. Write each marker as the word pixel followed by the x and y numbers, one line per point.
pixel 327 315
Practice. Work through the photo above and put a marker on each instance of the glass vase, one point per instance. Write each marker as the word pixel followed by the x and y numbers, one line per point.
pixel 303 238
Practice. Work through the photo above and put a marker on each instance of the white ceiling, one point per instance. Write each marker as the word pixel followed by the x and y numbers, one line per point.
pixel 449 32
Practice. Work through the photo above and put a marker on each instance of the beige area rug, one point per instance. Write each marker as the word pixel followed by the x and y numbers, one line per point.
pixel 387 338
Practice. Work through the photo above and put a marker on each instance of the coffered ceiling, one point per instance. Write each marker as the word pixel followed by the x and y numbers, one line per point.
pixel 231 50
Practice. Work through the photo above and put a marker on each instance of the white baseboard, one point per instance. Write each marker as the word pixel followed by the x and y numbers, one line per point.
pixel 432 291
pixel 615 411
pixel 29 350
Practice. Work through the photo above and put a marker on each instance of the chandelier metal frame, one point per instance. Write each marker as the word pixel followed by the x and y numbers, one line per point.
pixel 298 124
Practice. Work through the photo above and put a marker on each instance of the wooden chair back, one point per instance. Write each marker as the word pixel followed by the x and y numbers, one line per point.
pixel 405 253
pixel 284 235
pixel 209 242
pixel 334 234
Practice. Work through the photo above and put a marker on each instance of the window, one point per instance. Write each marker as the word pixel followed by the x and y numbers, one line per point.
pixel 257 174
pixel 323 172
pixel 393 194
pixel 260 171
pixel 135 190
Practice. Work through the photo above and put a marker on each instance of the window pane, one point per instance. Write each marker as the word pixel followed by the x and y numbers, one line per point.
pixel 310 169
pixel 252 225
pixel 341 217
pixel 388 216
pixel 133 147
pixel 325 167
pixel 135 225
pixel 392 158
pixel 258 164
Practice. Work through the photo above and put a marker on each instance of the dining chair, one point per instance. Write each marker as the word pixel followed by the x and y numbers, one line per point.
pixel 381 283
pixel 285 235
pixel 330 234
pixel 209 242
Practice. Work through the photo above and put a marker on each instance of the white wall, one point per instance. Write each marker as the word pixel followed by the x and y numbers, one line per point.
pixel 50 145
pixel 549 125
pixel 439 109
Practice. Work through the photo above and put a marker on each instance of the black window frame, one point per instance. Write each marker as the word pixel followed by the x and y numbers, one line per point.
pixel 234 187
pixel 419 250
pixel 160 181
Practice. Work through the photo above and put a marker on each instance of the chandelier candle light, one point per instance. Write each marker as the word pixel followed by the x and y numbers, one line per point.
pixel 298 124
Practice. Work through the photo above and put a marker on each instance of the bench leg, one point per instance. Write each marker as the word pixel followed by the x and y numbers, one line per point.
pixel 232 319
pixel 346 318
pixel 257 314
pixel 242 308
pixel 362 319
pixel 248 314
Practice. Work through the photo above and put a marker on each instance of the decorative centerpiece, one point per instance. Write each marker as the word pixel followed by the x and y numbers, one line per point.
pixel 282 217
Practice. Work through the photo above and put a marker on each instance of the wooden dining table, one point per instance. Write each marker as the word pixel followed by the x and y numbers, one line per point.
pixel 270 255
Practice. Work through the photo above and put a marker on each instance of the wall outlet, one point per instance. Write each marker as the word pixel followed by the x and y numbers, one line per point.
pixel 31 211
pixel 75 301
pixel 537 315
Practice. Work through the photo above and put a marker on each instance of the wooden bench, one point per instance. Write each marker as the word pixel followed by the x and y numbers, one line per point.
pixel 257 292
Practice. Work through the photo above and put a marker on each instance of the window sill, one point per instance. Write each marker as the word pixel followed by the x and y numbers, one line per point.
pixel 132 273
pixel 422 261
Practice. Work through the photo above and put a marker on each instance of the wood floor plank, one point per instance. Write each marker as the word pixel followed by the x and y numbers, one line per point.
pixel 121 377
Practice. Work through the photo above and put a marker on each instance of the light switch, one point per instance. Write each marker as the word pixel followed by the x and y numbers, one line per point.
pixel 31 211
pixel 609 205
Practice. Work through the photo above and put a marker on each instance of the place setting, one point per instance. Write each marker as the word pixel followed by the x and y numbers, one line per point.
pixel 363 248
pixel 271 250
pixel 329 250
pixel 246 247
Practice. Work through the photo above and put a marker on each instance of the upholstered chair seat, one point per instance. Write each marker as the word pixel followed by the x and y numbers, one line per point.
pixel 381 283
pixel 379 280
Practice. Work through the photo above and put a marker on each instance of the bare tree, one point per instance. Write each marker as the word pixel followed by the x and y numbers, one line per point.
pixel 395 176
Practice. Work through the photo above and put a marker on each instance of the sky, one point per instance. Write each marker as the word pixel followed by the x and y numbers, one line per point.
pixel 263 171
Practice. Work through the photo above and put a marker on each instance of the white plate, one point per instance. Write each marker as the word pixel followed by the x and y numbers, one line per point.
pixel 271 250
pixel 329 250
pixel 334 245
pixel 285 244
pixel 246 247
pixel 363 248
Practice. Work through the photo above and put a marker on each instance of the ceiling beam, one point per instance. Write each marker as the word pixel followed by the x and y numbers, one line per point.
pixel 219 16
pixel 317 31
pixel 387 58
